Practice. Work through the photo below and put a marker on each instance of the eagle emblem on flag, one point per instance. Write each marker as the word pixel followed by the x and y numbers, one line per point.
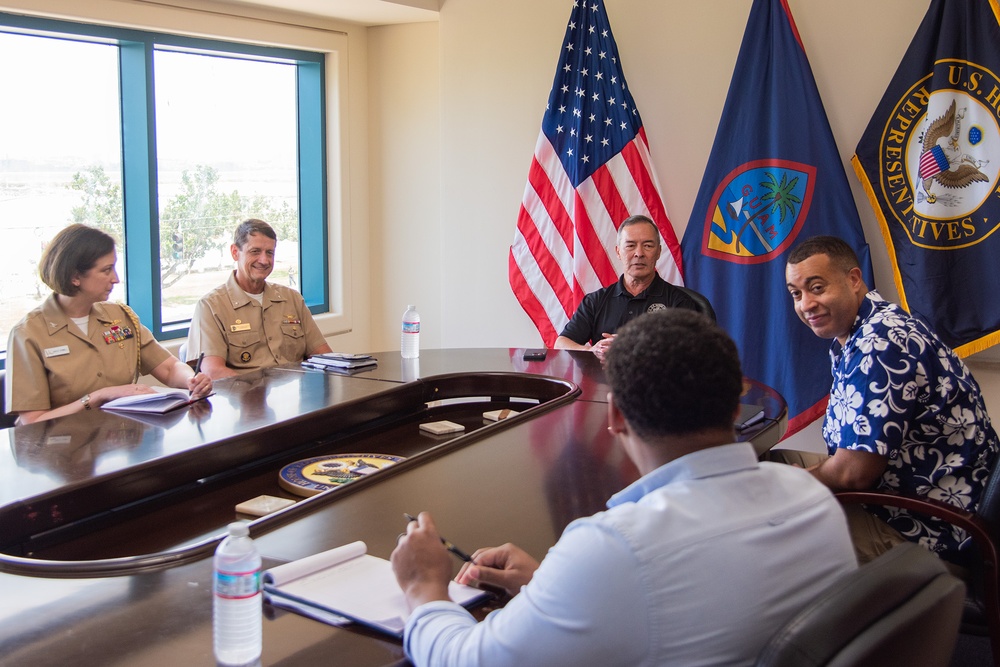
pixel 929 162
pixel 944 161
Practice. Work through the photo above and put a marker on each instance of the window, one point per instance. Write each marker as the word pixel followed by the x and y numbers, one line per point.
pixel 46 138
pixel 166 143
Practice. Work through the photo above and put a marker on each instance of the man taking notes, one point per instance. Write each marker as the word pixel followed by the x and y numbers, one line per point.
pixel 697 562
pixel 249 323
pixel 639 290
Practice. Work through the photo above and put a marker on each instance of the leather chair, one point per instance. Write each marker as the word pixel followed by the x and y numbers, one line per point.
pixel 6 420
pixel 982 605
pixel 903 608
pixel 704 305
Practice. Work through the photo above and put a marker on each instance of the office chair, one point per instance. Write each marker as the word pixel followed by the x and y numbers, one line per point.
pixel 903 608
pixel 982 605
pixel 704 305
pixel 6 420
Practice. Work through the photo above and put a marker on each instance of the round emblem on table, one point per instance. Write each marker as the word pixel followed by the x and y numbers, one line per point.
pixel 311 476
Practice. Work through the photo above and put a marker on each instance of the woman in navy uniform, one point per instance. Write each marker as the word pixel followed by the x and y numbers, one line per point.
pixel 77 351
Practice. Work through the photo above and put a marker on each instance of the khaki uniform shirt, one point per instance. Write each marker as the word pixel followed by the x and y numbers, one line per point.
pixel 50 363
pixel 229 324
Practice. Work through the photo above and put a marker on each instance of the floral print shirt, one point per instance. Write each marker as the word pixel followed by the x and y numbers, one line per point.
pixel 900 392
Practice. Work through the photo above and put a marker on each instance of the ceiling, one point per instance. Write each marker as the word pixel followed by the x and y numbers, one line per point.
pixel 365 12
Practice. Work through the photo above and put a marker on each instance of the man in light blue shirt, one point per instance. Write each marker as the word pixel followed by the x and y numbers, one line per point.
pixel 696 563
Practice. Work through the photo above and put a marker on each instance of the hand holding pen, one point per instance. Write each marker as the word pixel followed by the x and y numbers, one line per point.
pixel 447 545
pixel 423 569
pixel 501 582
pixel 199 388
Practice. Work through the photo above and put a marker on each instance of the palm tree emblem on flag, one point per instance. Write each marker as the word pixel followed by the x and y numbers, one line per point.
pixel 758 210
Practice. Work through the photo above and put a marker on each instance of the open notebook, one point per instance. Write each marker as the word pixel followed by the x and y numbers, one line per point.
pixel 347 584
pixel 162 400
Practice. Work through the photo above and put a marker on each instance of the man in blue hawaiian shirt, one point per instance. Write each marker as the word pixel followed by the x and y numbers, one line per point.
pixel 905 414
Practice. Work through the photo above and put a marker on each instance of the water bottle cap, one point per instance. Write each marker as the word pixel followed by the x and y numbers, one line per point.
pixel 411 307
pixel 239 529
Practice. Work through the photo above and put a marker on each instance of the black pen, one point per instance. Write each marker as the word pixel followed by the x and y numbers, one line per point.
pixel 197 369
pixel 447 545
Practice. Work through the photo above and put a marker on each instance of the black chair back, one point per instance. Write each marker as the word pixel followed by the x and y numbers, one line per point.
pixel 979 607
pixel 903 608
pixel 704 305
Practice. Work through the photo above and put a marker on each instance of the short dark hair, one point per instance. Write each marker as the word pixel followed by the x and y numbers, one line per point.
pixel 841 255
pixel 674 372
pixel 74 250
pixel 637 220
pixel 252 226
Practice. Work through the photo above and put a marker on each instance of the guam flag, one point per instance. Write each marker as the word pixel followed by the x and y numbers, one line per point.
pixel 774 178
pixel 930 163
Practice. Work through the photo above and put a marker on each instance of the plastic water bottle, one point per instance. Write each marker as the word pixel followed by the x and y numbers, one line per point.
pixel 237 610
pixel 409 341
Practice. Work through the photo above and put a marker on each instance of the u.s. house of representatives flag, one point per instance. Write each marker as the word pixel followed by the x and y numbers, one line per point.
pixel 591 170
pixel 774 178
pixel 930 161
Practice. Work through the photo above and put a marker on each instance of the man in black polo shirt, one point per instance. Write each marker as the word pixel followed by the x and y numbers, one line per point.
pixel 639 290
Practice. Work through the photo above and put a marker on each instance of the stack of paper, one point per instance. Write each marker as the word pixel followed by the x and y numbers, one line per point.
pixel 340 362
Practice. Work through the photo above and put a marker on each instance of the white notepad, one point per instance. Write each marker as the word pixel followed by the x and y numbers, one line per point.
pixel 347 584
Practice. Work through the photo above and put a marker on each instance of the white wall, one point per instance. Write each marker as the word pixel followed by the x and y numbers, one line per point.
pixel 405 258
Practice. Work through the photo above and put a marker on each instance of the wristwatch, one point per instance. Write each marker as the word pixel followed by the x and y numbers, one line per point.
pixel 86 402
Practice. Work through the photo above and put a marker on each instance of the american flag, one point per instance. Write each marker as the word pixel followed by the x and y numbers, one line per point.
pixel 590 171
pixel 933 162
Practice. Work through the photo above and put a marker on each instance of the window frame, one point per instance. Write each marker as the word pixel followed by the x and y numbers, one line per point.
pixel 139 161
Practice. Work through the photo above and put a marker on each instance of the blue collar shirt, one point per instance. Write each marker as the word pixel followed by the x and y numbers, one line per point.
pixel 696 563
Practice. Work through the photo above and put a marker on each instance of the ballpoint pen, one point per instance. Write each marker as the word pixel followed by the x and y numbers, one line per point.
pixel 447 545
pixel 197 369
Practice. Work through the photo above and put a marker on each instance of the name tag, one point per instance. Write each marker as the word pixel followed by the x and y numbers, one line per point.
pixel 55 440
pixel 240 327
pixel 56 351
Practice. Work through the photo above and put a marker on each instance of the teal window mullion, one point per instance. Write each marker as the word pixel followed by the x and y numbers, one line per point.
pixel 313 231
pixel 139 182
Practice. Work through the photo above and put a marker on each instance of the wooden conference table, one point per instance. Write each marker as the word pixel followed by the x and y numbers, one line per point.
pixel 108 524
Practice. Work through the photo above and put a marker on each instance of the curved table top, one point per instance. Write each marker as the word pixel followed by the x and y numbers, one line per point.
pixel 522 482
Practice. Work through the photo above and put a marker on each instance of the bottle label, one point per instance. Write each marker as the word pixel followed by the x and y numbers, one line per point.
pixel 411 327
pixel 237 585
